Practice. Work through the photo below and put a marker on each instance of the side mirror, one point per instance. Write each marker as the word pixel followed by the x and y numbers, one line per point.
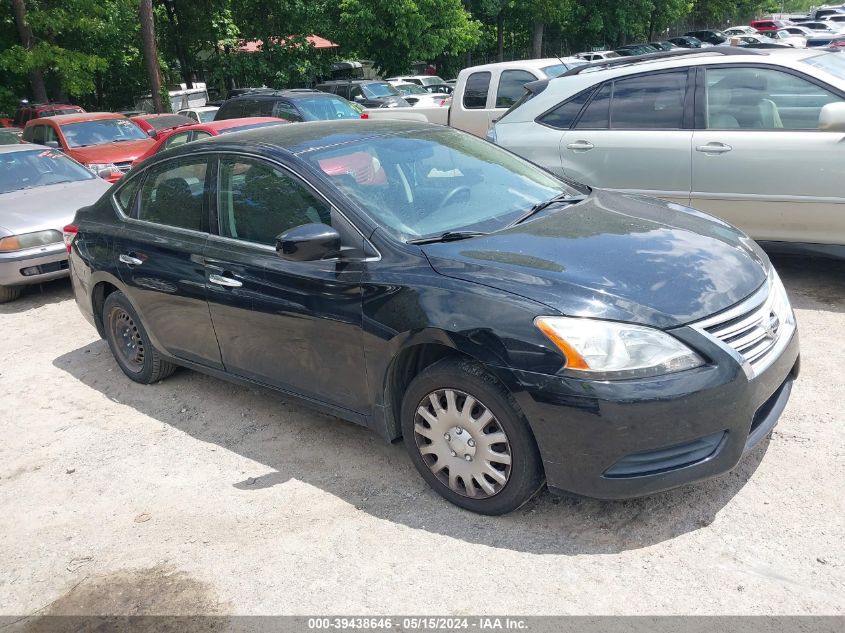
pixel 152 133
pixel 832 118
pixel 52 145
pixel 308 243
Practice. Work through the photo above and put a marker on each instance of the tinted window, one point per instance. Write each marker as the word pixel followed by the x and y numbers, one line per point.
pixel 755 98
pixel 172 194
pixel 511 86
pixel 258 201
pixel 164 122
pixel 597 114
pixel 565 114
pixel 285 110
pixel 649 102
pixel 475 92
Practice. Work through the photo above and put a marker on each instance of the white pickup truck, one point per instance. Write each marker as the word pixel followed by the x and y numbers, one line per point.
pixel 483 93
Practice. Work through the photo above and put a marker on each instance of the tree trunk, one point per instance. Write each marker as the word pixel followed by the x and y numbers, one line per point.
pixel 148 43
pixel 181 52
pixel 36 79
pixel 537 40
pixel 500 36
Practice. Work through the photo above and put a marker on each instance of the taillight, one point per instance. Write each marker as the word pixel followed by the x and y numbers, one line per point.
pixel 68 234
pixel 364 115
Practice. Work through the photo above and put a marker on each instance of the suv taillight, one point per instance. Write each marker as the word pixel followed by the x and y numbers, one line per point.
pixel 68 234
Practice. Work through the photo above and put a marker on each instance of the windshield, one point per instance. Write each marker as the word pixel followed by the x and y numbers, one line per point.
pixel 37 168
pixel 374 91
pixel 207 116
pixel 431 80
pixel 832 63
pixel 411 89
pixel 326 108
pixel 101 132
pixel 427 182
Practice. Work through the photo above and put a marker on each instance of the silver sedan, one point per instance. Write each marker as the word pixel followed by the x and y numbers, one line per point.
pixel 40 191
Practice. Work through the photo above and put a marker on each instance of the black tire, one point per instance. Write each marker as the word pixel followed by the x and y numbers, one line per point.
pixel 9 293
pixel 130 344
pixel 524 474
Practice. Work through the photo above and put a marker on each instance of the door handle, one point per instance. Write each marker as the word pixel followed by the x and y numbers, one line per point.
pixel 580 145
pixel 228 282
pixel 714 148
pixel 132 261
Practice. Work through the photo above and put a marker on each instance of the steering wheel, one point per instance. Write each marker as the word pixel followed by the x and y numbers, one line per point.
pixel 449 197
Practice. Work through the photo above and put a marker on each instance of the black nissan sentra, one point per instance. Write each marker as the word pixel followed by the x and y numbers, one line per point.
pixel 512 327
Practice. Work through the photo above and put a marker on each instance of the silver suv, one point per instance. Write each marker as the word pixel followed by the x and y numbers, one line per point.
pixel 756 138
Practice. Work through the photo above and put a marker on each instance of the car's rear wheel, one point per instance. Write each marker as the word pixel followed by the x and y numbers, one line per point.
pixel 9 293
pixel 130 344
pixel 468 439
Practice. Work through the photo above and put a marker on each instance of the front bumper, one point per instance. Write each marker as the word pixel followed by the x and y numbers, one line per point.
pixel 613 440
pixel 33 265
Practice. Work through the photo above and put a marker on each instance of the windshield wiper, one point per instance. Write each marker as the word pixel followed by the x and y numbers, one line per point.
pixel 561 197
pixel 448 236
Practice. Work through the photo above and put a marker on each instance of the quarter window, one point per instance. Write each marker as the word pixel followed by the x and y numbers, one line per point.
pixel 172 194
pixel 126 194
pixel 177 139
pixel 649 102
pixel 257 201
pixel 475 91
pixel 761 98
pixel 511 86
pixel 565 114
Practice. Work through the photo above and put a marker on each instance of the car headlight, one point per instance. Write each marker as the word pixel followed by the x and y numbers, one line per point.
pixel 780 302
pixel 29 240
pixel 96 168
pixel 606 350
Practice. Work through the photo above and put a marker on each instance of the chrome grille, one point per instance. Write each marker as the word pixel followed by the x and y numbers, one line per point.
pixel 756 330
pixel 124 166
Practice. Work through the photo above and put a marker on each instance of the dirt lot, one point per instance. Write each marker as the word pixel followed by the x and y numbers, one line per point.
pixel 197 496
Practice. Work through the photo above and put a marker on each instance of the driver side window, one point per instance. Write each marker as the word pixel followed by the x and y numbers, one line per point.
pixel 258 201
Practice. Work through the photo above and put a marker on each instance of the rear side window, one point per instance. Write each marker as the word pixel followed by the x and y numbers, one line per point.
pixel 172 194
pixel 475 92
pixel 597 114
pixel 511 86
pixel 177 139
pixel 649 102
pixel 563 116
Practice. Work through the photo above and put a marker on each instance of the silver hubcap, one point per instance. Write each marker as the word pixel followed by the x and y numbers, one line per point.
pixel 463 444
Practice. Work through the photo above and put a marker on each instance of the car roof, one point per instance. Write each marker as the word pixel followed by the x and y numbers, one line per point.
pixel 225 124
pixel 291 93
pixel 199 109
pixel 304 137
pixel 525 63
pixel 60 119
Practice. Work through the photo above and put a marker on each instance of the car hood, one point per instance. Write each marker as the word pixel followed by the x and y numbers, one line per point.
pixel 614 256
pixel 112 152
pixel 49 207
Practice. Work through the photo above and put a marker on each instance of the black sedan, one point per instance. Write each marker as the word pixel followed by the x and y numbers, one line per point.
pixel 510 326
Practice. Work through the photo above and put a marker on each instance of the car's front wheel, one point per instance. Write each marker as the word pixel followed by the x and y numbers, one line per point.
pixel 468 439
pixel 130 344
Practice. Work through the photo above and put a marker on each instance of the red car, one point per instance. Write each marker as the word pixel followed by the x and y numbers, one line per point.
pixel 38 110
pixel 770 25
pixel 156 124
pixel 106 143
pixel 182 135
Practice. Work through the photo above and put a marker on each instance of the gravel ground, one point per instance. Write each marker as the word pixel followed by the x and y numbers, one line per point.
pixel 198 496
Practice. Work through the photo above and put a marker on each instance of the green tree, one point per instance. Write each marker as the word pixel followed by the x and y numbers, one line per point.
pixel 396 33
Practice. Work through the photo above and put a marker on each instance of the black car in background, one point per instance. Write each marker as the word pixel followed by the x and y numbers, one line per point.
pixel 708 35
pixel 512 327
pixel 636 49
pixel 365 92
pixel 295 105
pixel 686 41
